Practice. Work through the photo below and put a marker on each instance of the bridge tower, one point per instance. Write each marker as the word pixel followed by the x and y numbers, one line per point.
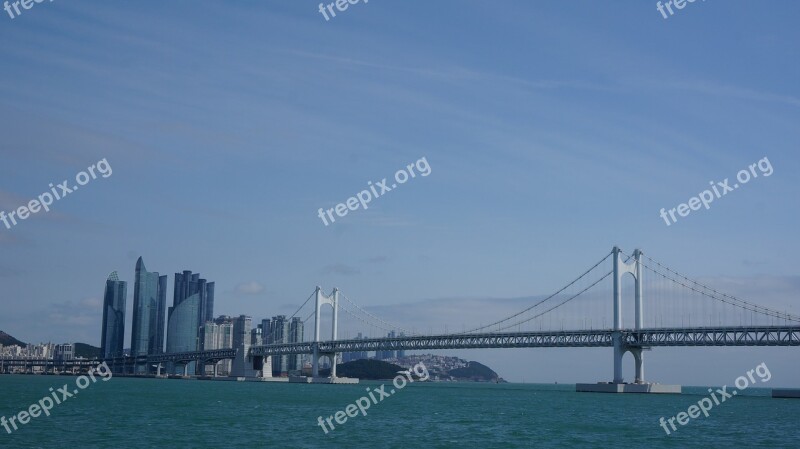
pixel 636 269
pixel 321 300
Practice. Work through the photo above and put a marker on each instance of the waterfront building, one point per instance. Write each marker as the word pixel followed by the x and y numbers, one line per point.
pixel 192 306
pixel 241 341
pixel 189 285
pixel 401 352
pixel 218 334
pixel 149 312
pixel 295 362
pixel 182 330
pixel 256 336
pixel 64 351
pixel 112 340
pixel 386 355
pixel 266 331
pixel 279 328
pixel 357 355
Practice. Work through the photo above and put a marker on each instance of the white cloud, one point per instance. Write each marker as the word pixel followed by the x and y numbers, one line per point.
pixel 250 288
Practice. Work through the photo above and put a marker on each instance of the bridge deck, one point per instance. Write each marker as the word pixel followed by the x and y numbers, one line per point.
pixel 716 336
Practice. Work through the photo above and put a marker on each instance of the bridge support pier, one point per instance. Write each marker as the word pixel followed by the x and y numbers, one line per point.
pixel 619 352
pixel 638 358
pixel 333 301
pixel 636 270
pixel 315 362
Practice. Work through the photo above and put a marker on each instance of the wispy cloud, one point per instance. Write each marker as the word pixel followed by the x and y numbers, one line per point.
pixel 250 288
pixel 728 91
pixel 341 269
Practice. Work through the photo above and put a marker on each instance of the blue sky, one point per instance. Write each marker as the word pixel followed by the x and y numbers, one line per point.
pixel 554 130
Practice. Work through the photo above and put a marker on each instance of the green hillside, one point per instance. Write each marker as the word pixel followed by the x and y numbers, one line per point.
pixel 8 340
pixel 474 371
pixel 365 369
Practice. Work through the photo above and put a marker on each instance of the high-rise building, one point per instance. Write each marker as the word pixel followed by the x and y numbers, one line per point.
pixel 401 352
pixel 241 330
pixel 241 367
pixel 295 336
pixel 183 330
pixel 65 351
pixel 192 306
pixel 149 309
pixel 255 336
pixel 218 334
pixel 112 341
pixel 188 285
pixel 266 331
pixel 210 335
pixel 357 355
pixel 386 355
pixel 279 327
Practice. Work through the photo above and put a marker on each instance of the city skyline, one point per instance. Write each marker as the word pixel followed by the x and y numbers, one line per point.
pixel 575 209
pixel 553 133
pixel 190 324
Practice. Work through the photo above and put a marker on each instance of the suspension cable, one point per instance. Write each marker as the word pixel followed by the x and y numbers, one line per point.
pixel 558 305
pixel 542 301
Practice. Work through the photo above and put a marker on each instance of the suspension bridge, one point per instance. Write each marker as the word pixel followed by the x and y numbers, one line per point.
pixel 587 312
pixel 669 309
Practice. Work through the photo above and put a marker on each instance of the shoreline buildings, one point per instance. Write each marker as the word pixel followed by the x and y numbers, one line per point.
pixel 112 341
pixel 218 334
pixel 280 330
pixel 187 326
pixel 192 306
pixel 149 307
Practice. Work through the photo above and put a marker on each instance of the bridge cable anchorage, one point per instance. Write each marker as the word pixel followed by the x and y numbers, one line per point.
pixel 558 305
pixel 304 304
pixel 369 323
pixel 406 331
pixel 732 299
pixel 542 301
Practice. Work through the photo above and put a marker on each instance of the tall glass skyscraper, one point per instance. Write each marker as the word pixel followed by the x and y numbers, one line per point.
pixel 182 330
pixel 279 327
pixel 112 341
pixel 149 309
pixel 192 306
pixel 187 286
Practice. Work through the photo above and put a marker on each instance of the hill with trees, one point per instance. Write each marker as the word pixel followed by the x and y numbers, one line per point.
pixel 365 369
pixel 475 371
pixel 8 340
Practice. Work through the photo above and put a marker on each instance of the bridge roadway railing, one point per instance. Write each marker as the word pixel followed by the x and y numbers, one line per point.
pixel 712 336
pixel 213 354
pixel 716 336
pixel 16 361
pixel 554 339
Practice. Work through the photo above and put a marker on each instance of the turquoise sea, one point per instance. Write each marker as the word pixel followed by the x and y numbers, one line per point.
pixel 133 413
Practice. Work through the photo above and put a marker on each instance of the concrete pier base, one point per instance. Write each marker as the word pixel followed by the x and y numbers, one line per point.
pixel 335 380
pixel 791 393
pixel 628 388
